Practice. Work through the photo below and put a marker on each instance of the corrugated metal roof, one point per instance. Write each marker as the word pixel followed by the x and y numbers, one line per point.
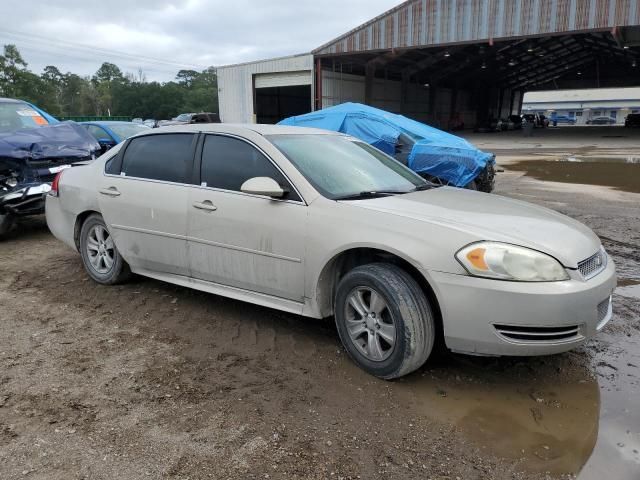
pixel 287 59
pixel 584 95
pixel 440 22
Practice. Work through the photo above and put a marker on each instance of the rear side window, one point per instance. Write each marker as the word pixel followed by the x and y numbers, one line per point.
pixel 228 162
pixel 164 157
pixel 98 132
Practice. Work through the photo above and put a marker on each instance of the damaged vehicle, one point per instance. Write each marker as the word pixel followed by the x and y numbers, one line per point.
pixel 437 156
pixel 34 147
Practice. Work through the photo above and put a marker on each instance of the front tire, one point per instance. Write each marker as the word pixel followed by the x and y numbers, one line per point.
pixel 384 320
pixel 101 258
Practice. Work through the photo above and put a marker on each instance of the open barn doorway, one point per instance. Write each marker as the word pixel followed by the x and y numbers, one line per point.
pixel 277 103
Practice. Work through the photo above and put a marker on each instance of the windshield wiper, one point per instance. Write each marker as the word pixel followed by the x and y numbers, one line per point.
pixel 370 194
pixel 425 186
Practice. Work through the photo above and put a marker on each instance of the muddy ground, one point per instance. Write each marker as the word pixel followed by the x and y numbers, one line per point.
pixel 149 380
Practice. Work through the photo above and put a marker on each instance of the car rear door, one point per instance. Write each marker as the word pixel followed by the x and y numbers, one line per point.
pixel 143 198
pixel 252 242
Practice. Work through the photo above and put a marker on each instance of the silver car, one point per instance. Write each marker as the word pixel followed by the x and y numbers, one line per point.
pixel 321 224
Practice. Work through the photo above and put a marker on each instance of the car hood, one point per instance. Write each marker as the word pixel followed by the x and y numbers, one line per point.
pixel 60 140
pixel 493 217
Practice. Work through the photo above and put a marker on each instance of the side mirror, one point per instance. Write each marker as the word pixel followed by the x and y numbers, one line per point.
pixel 263 186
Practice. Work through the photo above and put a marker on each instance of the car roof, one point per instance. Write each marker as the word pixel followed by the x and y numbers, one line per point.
pixel 109 122
pixel 11 100
pixel 239 127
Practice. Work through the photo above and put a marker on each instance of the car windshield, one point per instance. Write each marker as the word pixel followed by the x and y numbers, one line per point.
pixel 184 117
pixel 126 130
pixel 16 115
pixel 339 167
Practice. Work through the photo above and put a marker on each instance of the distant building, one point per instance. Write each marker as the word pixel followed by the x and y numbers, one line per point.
pixel 584 105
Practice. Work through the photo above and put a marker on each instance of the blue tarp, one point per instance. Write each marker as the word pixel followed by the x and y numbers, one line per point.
pixel 60 140
pixel 436 153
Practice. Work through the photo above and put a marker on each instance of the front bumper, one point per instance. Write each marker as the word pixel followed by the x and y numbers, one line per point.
pixel 493 317
pixel 25 200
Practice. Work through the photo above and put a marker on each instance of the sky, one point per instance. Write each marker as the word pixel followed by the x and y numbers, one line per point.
pixel 161 37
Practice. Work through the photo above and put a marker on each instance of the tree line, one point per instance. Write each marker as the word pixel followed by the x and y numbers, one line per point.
pixel 108 92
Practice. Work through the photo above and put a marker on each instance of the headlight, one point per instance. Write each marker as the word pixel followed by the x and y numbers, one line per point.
pixel 509 262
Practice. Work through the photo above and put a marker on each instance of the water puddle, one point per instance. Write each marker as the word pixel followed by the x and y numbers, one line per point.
pixel 617 451
pixel 622 173
pixel 628 288
pixel 540 414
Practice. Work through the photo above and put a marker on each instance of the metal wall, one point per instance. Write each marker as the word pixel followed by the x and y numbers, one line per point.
pixel 235 84
pixel 386 94
pixel 339 87
pixel 437 22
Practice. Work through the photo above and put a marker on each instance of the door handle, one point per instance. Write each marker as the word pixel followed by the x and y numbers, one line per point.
pixel 110 192
pixel 206 205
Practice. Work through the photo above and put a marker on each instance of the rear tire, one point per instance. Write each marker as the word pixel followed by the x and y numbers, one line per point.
pixel 100 257
pixel 6 222
pixel 384 320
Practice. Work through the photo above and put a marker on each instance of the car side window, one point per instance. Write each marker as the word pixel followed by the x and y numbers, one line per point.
pixel 228 162
pixel 166 157
pixel 98 132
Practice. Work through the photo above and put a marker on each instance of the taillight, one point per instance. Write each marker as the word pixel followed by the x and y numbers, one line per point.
pixel 55 184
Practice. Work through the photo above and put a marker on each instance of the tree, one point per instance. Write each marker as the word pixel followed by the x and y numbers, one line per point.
pixel 52 75
pixel 203 95
pixel 11 66
pixel 53 84
pixel 109 90
pixel 108 73
pixel 106 78
pixel 71 99
pixel 186 78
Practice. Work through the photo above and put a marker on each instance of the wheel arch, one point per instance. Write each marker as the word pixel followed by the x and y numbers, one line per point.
pixel 80 219
pixel 345 260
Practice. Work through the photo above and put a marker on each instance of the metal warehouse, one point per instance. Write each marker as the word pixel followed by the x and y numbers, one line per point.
pixel 447 62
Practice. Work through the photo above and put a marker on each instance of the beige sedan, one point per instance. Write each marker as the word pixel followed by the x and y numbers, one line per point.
pixel 320 224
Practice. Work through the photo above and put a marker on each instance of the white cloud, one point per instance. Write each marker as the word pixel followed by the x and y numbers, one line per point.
pixel 170 34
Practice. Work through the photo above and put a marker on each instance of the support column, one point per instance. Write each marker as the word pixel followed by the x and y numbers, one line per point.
pixel 432 103
pixel 318 95
pixel 369 74
pixel 520 100
pixel 453 107
pixel 404 92
pixel 500 101
pixel 511 102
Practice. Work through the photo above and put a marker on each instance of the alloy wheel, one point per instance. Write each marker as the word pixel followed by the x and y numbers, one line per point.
pixel 370 324
pixel 100 249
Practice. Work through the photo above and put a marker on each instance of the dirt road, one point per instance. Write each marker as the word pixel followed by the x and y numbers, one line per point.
pixel 148 380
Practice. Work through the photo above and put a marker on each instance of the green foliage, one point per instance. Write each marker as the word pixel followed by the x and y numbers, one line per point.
pixel 108 92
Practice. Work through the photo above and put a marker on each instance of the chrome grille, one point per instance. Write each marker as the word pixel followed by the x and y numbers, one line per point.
pixel 593 265
pixel 521 333
pixel 604 312
pixel 603 309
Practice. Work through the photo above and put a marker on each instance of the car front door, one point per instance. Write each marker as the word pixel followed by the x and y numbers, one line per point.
pixel 143 199
pixel 251 242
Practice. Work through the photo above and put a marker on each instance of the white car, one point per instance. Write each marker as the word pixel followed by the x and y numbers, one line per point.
pixel 319 224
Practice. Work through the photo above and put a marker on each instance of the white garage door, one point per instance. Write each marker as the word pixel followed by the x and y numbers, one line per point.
pixel 283 79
